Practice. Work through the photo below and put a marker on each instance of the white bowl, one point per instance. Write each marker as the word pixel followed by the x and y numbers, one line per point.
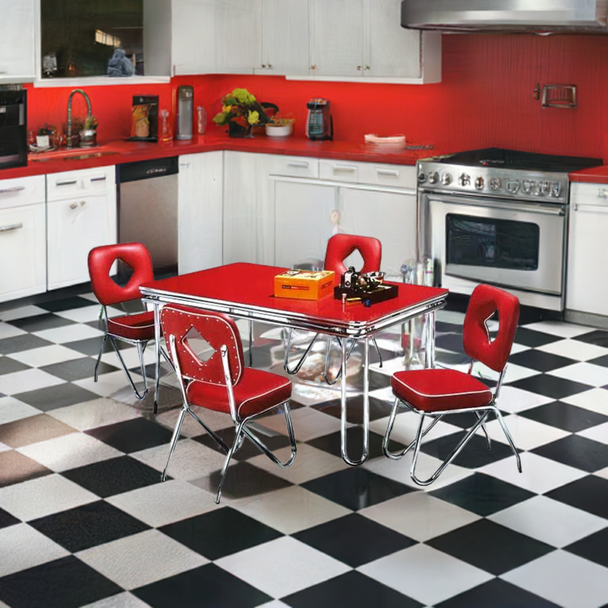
pixel 279 130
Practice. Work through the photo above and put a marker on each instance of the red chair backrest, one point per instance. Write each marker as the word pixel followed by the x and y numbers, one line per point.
pixel 107 291
pixel 340 246
pixel 485 301
pixel 217 329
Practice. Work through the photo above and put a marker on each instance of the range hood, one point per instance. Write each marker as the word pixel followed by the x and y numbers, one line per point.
pixel 540 16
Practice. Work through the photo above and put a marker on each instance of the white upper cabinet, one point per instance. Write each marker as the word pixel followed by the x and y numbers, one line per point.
pixel 17 41
pixel 238 31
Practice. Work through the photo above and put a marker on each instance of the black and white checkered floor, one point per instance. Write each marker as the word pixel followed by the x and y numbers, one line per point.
pixel 84 519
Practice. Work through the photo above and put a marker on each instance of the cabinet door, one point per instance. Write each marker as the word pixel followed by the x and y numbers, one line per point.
pixel 22 251
pixel 200 211
pixel 74 227
pixel 337 34
pixel 388 216
pixel 285 38
pixel 193 45
pixel 238 35
pixel 306 218
pixel 17 41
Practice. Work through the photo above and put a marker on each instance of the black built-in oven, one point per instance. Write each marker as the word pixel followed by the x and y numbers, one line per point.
pixel 13 126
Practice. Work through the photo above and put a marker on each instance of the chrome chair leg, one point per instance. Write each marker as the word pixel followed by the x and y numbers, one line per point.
pixel 227 461
pixel 103 341
pixel 508 436
pixel 128 374
pixel 485 430
pixel 174 438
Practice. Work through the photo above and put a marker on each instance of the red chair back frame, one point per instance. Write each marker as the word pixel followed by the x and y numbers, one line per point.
pixel 485 301
pixel 340 246
pixel 217 329
pixel 100 261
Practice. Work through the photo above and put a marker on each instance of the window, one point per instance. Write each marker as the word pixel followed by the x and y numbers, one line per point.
pixel 81 38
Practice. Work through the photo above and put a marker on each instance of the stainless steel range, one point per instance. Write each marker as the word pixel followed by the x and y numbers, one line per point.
pixel 500 217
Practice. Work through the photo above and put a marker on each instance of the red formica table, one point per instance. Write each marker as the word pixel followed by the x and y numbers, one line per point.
pixel 246 291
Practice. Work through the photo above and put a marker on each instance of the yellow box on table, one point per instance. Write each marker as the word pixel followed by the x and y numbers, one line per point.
pixel 304 284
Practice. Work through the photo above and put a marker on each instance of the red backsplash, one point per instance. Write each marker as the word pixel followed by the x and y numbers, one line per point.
pixel 485 98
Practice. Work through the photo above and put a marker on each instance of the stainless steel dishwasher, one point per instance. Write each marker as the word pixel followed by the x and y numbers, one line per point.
pixel 147 210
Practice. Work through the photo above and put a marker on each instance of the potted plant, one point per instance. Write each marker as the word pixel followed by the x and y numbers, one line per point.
pixel 88 133
pixel 240 111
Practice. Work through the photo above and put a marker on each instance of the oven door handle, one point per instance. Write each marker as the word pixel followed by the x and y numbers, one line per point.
pixel 558 210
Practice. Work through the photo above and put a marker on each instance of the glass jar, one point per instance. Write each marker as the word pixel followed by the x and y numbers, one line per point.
pixel 165 133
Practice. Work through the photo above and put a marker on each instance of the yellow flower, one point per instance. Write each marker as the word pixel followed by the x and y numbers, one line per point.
pixel 253 117
pixel 226 109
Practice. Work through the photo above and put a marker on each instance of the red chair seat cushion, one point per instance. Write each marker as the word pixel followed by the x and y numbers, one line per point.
pixel 139 326
pixel 437 390
pixel 256 392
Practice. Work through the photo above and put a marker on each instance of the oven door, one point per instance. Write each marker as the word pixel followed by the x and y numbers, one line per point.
pixel 507 243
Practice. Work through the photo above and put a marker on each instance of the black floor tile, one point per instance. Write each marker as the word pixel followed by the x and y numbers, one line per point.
pixel 352 590
pixel 451 342
pixel 356 488
pixel 77 369
pixel 377 408
pixel 540 360
pixel 9 366
pixel 497 594
pixel 550 386
pixel 114 476
pixel 576 451
pixel 66 304
pixel 597 337
pixel 603 361
pixel 206 534
pixel 243 479
pixel 592 547
pixel 91 346
pixel 490 546
pixel 63 583
pixel 54 397
pixel 532 338
pixel 22 342
pixel 564 416
pixel 354 539
pixel 474 454
pixel 132 435
pixel 588 494
pixel 378 380
pixel 206 587
pixel 41 322
pixel 6 519
pixel 482 494
pixel 87 526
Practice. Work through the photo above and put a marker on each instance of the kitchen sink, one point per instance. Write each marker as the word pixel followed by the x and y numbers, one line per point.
pixel 78 154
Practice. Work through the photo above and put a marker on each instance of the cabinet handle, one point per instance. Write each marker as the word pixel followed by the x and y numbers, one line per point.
pixel 99 179
pixel 313 67
pixel 70 183
pixel 73 205
pixel 602 192
pixel 350 168
pixel 391 172
pixel 300 165
pixel 9 190
pixel 10 227
pixel 359 67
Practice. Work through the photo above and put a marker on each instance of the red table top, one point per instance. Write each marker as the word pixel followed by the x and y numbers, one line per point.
pixel 248 290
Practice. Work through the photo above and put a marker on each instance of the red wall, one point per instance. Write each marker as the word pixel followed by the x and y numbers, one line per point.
pixel 484 99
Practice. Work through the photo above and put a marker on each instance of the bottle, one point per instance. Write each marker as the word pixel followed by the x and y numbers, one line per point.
pixel 201 123
pixel 166 136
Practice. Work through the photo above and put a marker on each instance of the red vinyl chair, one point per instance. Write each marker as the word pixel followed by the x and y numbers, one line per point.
pixel 339 247
pixel 438 392
pixel 222 382
pixel 136 329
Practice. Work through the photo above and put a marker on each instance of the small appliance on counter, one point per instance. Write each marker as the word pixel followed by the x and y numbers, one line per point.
pixel 184 112
pixel 13 126
pixel 319 125
pixel 144 118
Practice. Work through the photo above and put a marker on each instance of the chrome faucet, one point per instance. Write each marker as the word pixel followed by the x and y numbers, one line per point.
pixel 86 98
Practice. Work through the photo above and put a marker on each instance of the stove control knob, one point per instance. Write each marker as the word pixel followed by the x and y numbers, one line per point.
pixel 421 177
pixel 556 189
pixel 495 183
pixel 512 186
pixel 464 179
pixel 527 186
pixel 446 179
pixel 544 188
pixel 480 183
pixel 433 177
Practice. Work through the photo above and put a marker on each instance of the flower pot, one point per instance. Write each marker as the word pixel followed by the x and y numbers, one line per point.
pixel 236 130
pixel 88 138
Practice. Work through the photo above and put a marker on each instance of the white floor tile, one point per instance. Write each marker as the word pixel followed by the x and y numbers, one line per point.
pixel 93 414
pixel 141 559
pixel 68 333
pixel 513 400
pixel 10 331
pixel 84 314
pixel 164 503
pixel 46 355
pixel 595 400
pixel 419 515
pixel 425 574
pixel 557 328
pixel 308 424
pixel 27 380
pixel 43 496
pixel 273 604
pixel 22 547
pixel 406 427
pixel 597 433
pixel 301 566
pixel 310 463
pixel 565 579
pixel 574 349
pixel 12 409
pixel 108 384
pixel 191 428
pixel 549 521
pixel 602 473
pixel 527 434
pixel 69 451
pixel 21 313
pixel 539 475
pixel 588 373
pixel 122 600
pixel 517 372
pixel 290 510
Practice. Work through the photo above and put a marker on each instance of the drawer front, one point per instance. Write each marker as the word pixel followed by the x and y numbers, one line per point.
pixel 21 191
pixel 88 182
pixel 296 166
pixel 340 170
pixel 398 176
pixel 588 194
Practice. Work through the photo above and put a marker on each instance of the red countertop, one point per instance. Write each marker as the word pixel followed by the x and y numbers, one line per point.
pixel 595 175
pixel 129 151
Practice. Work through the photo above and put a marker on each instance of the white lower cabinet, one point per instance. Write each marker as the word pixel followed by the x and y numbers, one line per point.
pixel 81 214
pixel 22 237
